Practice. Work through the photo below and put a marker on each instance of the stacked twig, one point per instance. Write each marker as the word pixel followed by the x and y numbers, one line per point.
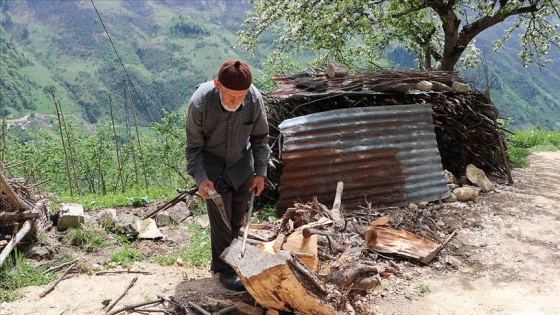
pixel 464 123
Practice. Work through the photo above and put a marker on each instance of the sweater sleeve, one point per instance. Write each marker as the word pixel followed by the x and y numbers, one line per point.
pixel 195 140
pixel 259 138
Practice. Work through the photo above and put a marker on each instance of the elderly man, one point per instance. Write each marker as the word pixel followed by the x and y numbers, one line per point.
pixel 227 152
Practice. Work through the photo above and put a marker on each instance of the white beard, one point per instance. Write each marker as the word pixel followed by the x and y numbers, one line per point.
pixel 226 108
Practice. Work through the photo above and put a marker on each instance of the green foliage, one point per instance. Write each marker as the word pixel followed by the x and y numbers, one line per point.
pixel 125 257
pixel 89 237
pixel 196 253
pixel 356 31
pixel 95 177
pixel 422 289
pixel 19 273
pixel 524 142
pixel 269 213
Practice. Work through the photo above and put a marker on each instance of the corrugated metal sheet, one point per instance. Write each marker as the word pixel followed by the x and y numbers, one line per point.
pixel 387 155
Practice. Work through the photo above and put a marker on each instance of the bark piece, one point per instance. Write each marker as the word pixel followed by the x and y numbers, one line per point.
pixel 335 69
pixel 271 282
pixel 401 243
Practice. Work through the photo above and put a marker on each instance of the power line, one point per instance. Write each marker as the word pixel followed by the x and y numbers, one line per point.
pixel 122 64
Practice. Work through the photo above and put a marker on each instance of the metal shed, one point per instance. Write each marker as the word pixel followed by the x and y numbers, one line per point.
pixel 387 155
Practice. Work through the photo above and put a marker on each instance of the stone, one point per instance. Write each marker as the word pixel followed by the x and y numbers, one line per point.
pixel 180 211
pixel 451 198
pixel 107 218
pixel 423 205
pixel 478 178
pixel 71 215
pixel 413 207
pixel 128 224
pixel 452 261
pixel 460 87
pixel 149 230
pixel 425 86
pixel 203 221
pixel 466 193
pixel 163 219
pixel 449 177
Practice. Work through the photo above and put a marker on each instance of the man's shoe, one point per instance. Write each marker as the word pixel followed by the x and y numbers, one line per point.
pixel 231 281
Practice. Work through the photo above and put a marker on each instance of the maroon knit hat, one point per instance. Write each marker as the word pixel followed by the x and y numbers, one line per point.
pixel 235 75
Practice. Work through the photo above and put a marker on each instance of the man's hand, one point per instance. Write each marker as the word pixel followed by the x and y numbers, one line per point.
pixel 258 184
pixel 203 186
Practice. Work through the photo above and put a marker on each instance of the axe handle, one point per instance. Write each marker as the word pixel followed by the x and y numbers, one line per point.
pixel 246 231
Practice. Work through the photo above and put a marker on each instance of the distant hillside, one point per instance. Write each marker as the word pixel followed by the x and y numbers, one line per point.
pixel 167 48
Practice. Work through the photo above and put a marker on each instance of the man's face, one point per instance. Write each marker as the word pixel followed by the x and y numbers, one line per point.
pixel 231 99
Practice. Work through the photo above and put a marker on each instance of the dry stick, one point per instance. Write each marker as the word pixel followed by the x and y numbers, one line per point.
pixel 138 138
pixel 71 142
pixel 133 306
pixel 132 150
pixel 49 289
pixel 122 294
pixel 63 143
pixel 4 125
pixel 294 262
pixel 226 310
pixel 60 266
pixel 13 242
pixel 116 143
pixel 123 271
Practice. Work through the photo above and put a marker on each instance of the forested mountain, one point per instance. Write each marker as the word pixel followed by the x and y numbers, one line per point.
pixel 169 46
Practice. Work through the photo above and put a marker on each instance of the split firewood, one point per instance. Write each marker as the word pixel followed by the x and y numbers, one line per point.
pixel 272 283
pixel 273 246
pixel 386 240
pixel 299 243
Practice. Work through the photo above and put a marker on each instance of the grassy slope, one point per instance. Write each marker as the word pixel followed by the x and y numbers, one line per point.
pixel 71 52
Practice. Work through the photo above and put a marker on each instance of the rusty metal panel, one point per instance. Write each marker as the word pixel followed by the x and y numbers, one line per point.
pixel 386 155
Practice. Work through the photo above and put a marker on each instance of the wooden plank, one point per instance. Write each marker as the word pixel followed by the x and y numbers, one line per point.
pixel 386 240
pixel 271 282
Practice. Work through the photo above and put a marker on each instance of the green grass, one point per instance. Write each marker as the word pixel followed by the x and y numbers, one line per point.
pixel 196 253
pixel 89 237
pixel 18 273
pixel 524 142
pixel 422 289
pixel 133 197
pixel 125 257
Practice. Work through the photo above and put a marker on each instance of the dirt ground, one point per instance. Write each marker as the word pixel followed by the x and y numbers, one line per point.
pixel 504 259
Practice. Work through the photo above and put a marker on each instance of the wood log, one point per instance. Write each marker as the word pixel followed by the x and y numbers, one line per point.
pixel 19 215
pixel 386 240
pixel 272 283
pixel 301 245
pixel 13 242
pixel 11 194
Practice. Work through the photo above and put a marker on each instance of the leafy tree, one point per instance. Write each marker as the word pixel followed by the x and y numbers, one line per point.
pixel 443 30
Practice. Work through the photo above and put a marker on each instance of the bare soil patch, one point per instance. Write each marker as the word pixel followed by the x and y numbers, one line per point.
pixel 504 259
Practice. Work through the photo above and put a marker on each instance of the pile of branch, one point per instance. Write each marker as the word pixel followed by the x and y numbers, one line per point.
pixel 323 263
pixel 19 213
pixel 465 123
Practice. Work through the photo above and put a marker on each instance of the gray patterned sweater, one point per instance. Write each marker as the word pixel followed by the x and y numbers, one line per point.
pixel 219 141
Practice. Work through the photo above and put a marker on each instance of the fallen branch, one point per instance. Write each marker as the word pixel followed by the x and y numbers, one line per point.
pixel 13 242
pixel 123 271
pixel 226 310
pixel 60 266
pixel 122 294
pixel 133 306
pixel 49 289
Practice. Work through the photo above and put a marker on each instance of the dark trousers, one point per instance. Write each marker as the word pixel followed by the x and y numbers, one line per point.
pixel 235 204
